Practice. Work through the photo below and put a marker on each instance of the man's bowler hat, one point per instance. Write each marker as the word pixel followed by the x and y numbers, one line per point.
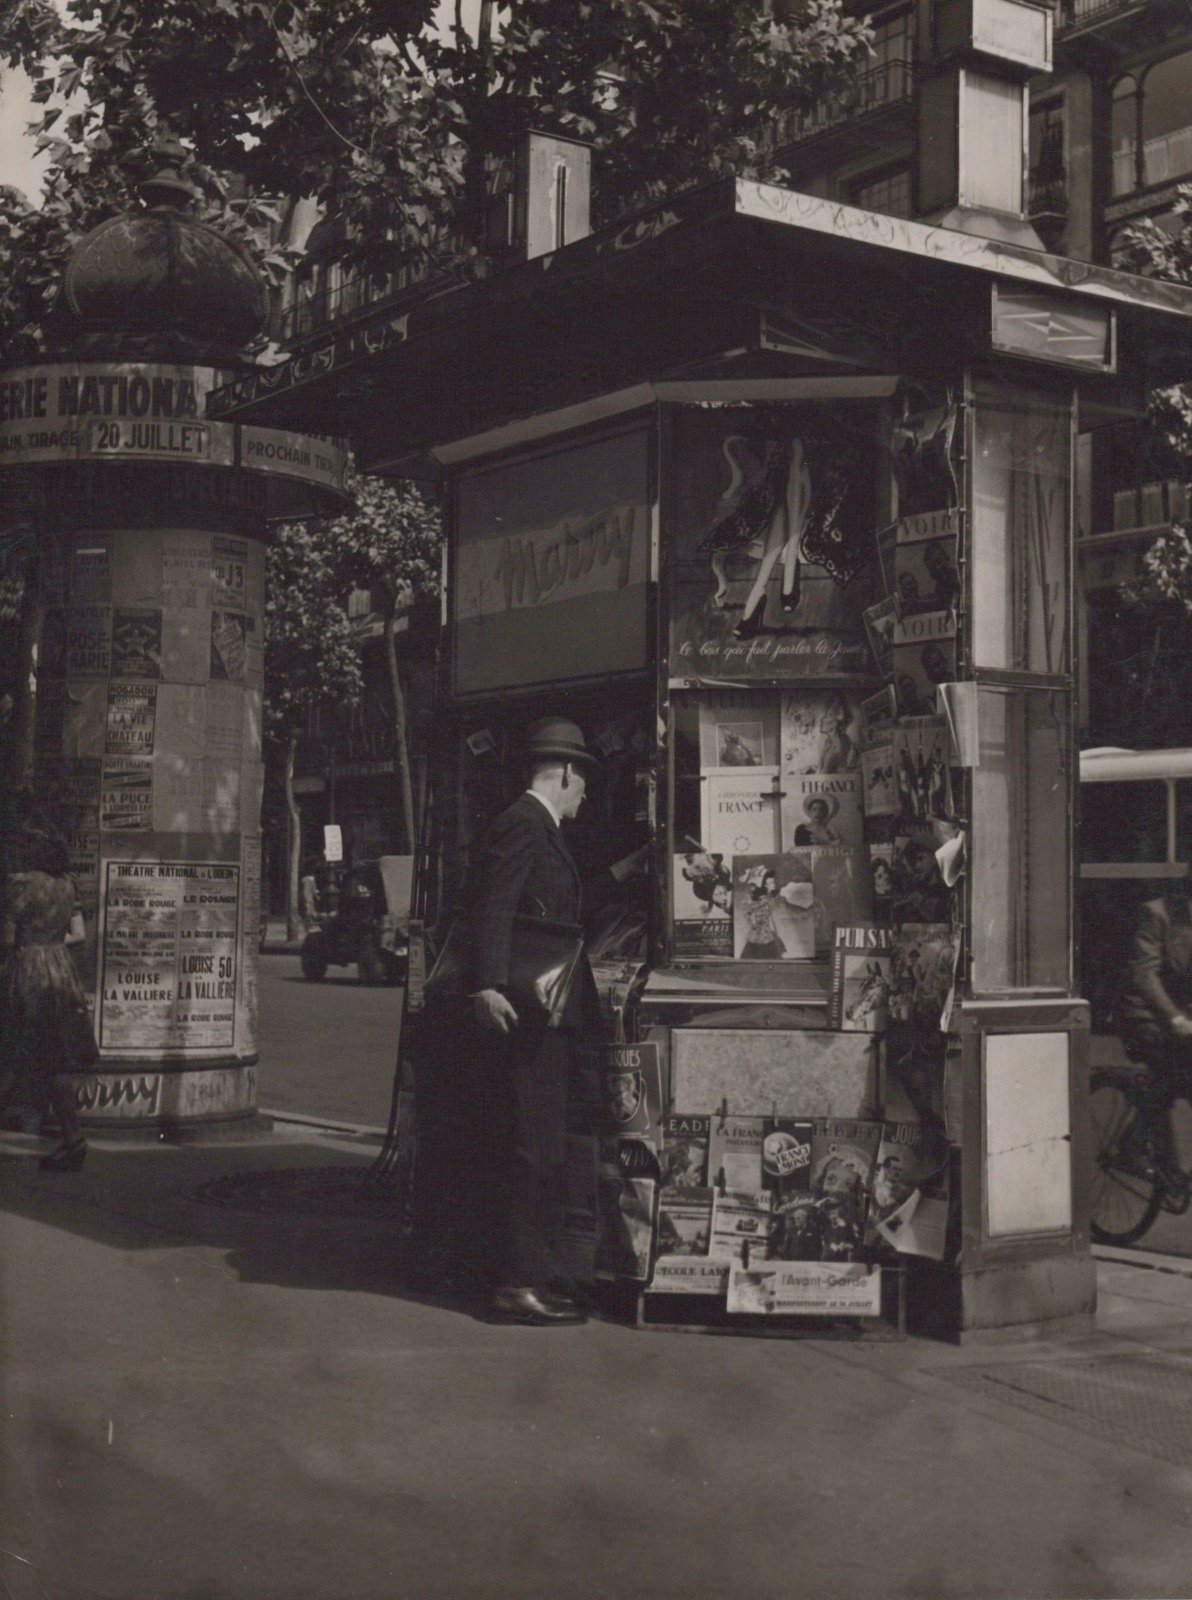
pixel 555 736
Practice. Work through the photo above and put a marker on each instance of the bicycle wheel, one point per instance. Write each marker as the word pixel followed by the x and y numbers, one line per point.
pixel 1126 1190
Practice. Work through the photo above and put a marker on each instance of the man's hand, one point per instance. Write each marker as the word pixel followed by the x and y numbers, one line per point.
pixel 1181 1025
pixel 494 1013
pixel 631 866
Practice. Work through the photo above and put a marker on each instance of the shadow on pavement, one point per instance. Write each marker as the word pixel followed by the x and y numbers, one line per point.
pixel 297 1215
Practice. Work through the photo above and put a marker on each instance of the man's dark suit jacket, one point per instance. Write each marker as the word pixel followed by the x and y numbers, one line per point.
pixel 1160 981
pixel 524 867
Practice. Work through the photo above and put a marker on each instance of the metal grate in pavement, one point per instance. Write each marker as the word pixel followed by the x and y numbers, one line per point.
pixel 1141 1401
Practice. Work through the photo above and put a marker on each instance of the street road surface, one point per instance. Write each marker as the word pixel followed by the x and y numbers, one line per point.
pixel 327 1049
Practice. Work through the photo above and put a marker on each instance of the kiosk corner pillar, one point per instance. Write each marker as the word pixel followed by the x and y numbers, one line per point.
pixel 1017 1096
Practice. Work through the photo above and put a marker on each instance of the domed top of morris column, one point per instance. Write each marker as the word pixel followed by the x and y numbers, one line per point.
pixel 157 284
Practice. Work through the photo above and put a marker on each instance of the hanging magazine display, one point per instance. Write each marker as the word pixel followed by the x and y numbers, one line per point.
pixel 702 897
pixel 925 575
pixel 741 813
pixel 809 1290
pixel 922 970
pixel 685 1151
pixel 684 1221
pixel 924 656
pixel 860 995
pixel 773 908
pixel 822 810
pixel 737 728
pixel 820 732
pixel 909 1206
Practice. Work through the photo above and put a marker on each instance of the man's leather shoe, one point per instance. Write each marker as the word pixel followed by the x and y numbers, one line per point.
pixel 533 1308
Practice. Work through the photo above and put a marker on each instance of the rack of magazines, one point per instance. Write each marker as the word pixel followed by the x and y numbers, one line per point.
pixel 717 1217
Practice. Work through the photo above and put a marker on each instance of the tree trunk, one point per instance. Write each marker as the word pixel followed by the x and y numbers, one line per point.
pixel 399 735
pixel 295 816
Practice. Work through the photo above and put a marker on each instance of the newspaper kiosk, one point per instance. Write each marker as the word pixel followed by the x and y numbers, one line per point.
pixel 773 496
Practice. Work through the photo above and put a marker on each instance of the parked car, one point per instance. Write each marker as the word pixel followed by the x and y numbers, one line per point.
pixel 369 927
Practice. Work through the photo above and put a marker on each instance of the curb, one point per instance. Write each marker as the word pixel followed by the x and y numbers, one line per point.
pixel 365 1132
pixel 1147 1260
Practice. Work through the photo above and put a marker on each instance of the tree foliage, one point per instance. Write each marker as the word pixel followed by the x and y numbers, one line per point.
pixel 1143 659
pixel 27 29
pixel 388 539
pixel 364 105
pixel 312 661
pixel 1167 581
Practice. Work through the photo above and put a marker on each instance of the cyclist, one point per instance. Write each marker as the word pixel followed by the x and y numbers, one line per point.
pixel 1156 1013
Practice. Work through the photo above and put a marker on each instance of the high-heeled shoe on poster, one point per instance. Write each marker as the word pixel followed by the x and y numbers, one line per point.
pixel 750 627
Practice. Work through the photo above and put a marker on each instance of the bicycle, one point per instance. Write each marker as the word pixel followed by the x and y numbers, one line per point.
pixel 1137 1172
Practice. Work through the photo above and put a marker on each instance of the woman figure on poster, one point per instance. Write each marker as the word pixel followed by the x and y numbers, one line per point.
pixel 762 514
pixel 941 569
pixel 838 753
pixel 711 882
pixel 840 1193
pixel 937 786
pixel 882 877
pixel 921 447
pixel 762 942
pixel 45 1028
pixel 819 810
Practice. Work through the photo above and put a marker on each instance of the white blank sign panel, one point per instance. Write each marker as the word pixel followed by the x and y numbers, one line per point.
pixel 1027 1133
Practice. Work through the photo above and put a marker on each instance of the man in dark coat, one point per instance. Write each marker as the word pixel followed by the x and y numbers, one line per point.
pixel 1157 1004
pixel 513 1068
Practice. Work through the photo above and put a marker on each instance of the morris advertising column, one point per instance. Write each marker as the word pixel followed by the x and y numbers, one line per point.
pixel 147 737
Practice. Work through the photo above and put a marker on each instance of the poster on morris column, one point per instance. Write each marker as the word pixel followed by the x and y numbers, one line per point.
pixel 168 957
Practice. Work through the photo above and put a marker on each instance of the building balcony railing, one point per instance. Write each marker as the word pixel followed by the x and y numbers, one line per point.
pixel 1073 14
pixel 1048 197
pixel 335 298
pixel 317 305
pixel 886 84
pixel 1167 158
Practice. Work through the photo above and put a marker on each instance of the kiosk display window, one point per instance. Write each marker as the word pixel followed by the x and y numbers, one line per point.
pixel 769 829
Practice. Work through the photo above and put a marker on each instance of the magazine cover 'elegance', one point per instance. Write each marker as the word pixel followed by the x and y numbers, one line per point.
pixel 823 810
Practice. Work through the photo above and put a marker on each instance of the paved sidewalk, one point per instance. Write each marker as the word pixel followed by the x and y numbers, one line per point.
pixel 217 1389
